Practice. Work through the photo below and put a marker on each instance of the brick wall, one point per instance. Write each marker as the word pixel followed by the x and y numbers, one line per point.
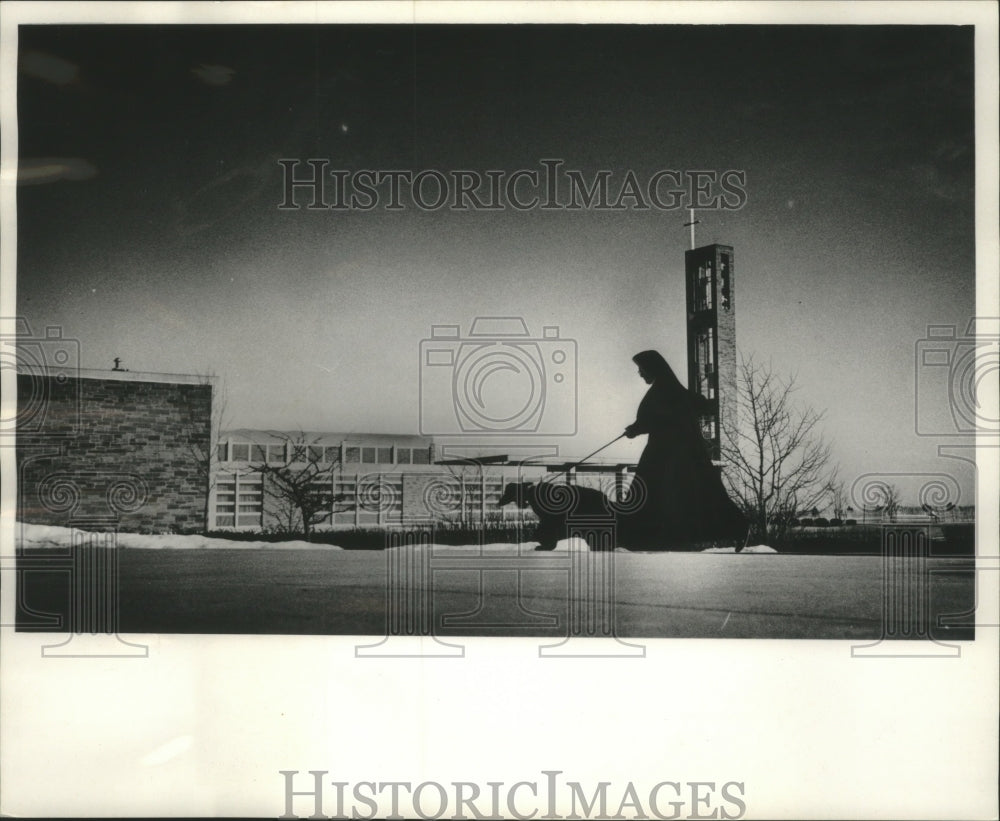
pixel 122 450
pixel 726 348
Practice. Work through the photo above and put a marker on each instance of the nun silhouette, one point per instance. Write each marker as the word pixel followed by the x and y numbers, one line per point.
pixel 685 503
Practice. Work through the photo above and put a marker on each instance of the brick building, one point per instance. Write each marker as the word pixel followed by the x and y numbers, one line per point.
pixel 372 480
pixel 113 448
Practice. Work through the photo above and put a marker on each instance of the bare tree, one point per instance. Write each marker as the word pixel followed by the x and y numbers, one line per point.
pixel 300 487
pixel 776 461
pixel 890 500
pixel 840 498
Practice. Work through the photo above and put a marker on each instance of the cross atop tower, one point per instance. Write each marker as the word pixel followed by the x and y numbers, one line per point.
pixel 692 224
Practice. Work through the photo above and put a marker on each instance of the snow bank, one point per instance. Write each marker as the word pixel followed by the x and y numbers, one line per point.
pixel 753 548
pixel 47 536
pixel 564 546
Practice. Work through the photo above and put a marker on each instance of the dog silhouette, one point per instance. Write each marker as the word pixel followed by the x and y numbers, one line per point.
pixel 556 506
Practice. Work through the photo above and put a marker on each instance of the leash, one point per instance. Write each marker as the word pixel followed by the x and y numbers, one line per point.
pixel 589 455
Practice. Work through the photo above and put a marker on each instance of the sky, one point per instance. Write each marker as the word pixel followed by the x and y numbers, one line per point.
pixel 149 225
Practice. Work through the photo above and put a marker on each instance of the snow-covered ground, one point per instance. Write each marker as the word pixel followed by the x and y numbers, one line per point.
pixel 297 588
pixel 48 536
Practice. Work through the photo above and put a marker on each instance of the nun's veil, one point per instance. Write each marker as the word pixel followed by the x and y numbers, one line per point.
pixel 653 363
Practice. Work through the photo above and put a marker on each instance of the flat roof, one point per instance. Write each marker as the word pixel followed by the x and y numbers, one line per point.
pixel 277 436
pixel 129 376
pixel 590 467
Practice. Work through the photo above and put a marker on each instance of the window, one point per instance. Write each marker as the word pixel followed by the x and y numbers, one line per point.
pixel 402 456
pixel 368 456
pixel 225 496
pixel 315 453
pixel 258 453
pixel 346 488
pixel 708 427
pixel 331 455
pixel 421 456
pixel 385 456
pixel 724 286
pixel 275 453
pixel 222 455
pixel 703 288
pixel 354 455
pixel 241 453
pixel 299 453
pixel 706 363
pixel 238 501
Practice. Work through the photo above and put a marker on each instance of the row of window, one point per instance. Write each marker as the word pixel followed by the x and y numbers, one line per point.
pixel 284 453
pixel 705 357
pixel 361 500
pixel 702 293
pixel 239 500
pixel 384 456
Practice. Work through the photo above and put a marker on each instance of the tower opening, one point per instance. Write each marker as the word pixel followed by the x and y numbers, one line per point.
pixel 711 338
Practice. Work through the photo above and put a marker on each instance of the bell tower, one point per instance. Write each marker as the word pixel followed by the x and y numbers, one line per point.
pixel 711 338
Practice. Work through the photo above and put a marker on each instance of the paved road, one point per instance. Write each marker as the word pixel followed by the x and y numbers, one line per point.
pixel 503 591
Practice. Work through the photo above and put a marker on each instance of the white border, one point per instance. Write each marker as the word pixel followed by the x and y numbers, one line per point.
pixel 203 725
